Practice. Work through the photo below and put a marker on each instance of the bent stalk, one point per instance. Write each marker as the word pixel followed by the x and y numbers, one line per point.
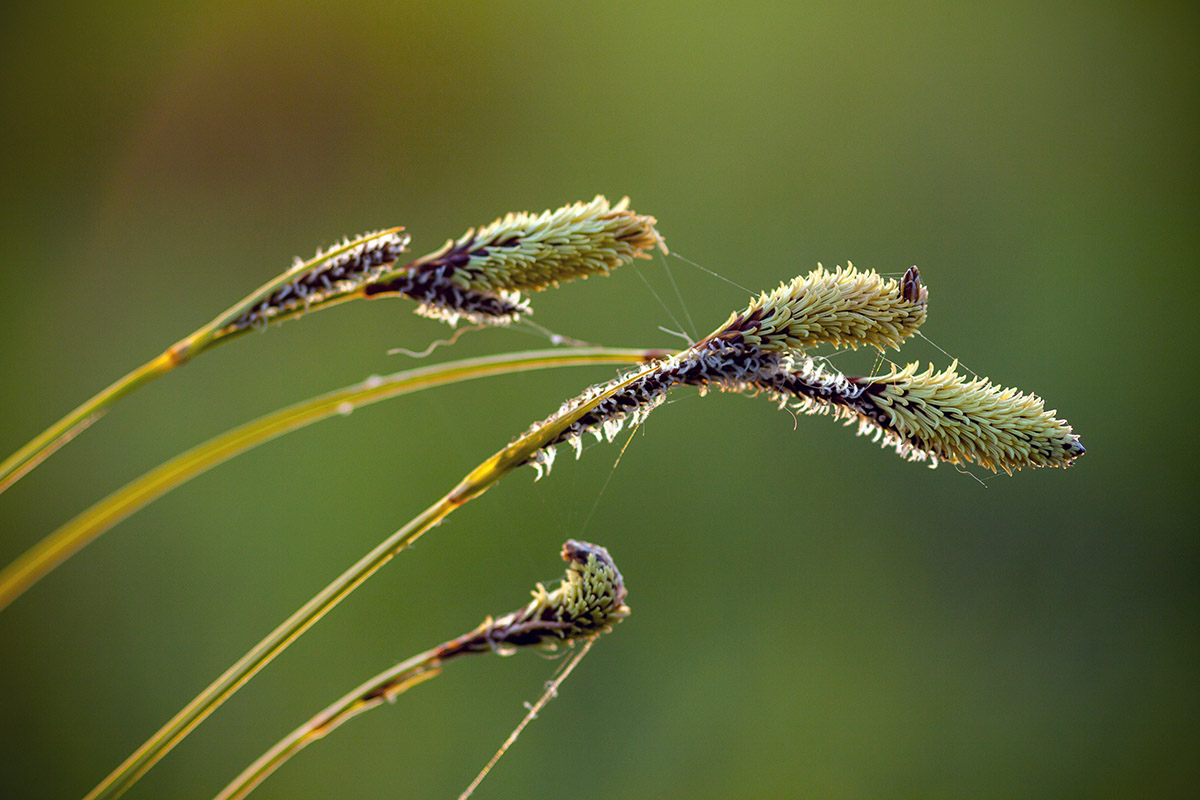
pixel 60 545
pixel 222 328
pixel 588 602
pixel 478 481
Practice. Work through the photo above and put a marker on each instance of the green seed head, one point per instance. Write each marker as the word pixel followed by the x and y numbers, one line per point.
pixel 592 595
pixel 523 251
pixel 959 420
pixel 844 308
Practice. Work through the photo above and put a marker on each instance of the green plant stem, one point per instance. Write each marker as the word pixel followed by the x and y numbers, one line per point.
pixel 41 447
pixel 474 484
pixel 385 686
pixel 13 468
pixel 60 545
pixel 50 440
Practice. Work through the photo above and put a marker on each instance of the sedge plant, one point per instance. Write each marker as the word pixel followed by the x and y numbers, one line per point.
pixel 763 349
pixel 478 277
pixel 84 528
pixel 588 602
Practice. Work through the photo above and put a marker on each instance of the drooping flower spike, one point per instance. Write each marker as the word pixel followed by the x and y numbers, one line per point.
pixel 936 416
pixel 930 416
pixel 477 278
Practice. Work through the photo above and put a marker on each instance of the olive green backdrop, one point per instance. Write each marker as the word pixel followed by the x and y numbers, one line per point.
pixel 813 617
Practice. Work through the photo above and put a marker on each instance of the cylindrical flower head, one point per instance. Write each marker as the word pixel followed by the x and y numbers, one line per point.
pixel 954 419
pixel 523 251
pixel 844 308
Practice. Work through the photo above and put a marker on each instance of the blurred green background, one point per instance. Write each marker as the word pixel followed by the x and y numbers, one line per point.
pixel 812 616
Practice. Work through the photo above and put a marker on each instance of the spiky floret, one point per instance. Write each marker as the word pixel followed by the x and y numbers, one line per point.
pixel 479 276
pixel 534 252
pixel 937 416
pixel 972 420
pixel 844 308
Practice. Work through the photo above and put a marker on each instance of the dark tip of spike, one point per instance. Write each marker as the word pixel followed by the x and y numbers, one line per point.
pixel 910 285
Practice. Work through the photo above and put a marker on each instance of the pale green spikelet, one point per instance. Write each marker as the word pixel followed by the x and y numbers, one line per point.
pixel 479 276
pixel 956 419
pixel 592 596
pixel 934 416
pixel 524 251
pixel 844 308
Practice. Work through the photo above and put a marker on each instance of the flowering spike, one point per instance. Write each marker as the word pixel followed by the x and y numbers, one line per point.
pixel 535 252
pixel 589 601
pixel 931 416
pixel 959 420
pixel 937 416
pixel 845 308
pixel 478 276
pixel 332 273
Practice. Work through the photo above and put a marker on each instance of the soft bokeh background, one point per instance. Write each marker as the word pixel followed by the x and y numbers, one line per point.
pixel 812 616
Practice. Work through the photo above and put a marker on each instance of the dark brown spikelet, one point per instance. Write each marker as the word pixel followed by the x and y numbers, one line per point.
pixel 441 298
pixel 345 268
pixel 910 285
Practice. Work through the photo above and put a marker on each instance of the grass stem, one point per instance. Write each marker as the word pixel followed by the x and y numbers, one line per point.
pixel 13 468
pixel 60 545
pixel 475 483
pixel 587 603
pixel 386 686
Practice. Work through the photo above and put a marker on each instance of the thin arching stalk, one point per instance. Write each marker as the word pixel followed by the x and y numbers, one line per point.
pixel 477 278
pixel 588 602
pixel 219 330
pixel 60 545
pixel 386 686
pixel 550 692
pixel 478 481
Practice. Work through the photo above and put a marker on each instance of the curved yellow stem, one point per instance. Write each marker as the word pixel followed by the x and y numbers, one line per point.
pixel 60 545
pixel 474 484
pixel 385 686
pixel 41 447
